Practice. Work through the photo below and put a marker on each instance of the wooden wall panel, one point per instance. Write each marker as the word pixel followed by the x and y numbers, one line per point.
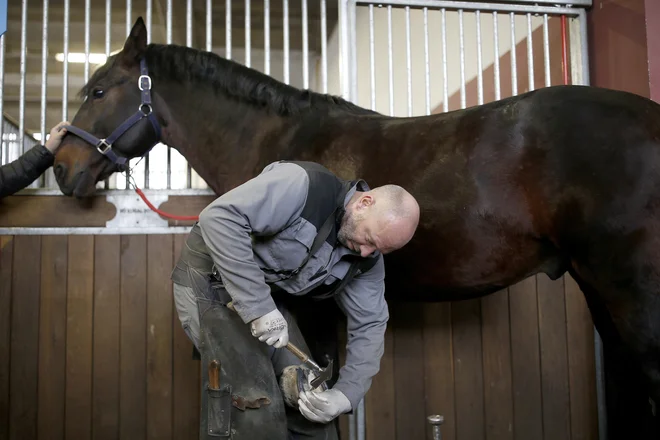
pixel 496 338
pixel 515 364
pixel 468 370
pixel 6 261
pixel 408 371
pixel 24 337
pixel 525 360
pixel 132 339
pixel 105 377
pixel 159 337
pixel 80 311
pixel 439 366
pixel 380 402
pixel 52 336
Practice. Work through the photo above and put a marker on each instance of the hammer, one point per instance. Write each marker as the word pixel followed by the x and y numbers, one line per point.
pixel 322 374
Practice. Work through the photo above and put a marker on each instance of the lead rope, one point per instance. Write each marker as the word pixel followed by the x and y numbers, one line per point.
pixel 131 183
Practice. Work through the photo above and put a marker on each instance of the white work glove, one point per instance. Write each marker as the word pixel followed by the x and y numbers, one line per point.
pixel 271 328
pixel 323 406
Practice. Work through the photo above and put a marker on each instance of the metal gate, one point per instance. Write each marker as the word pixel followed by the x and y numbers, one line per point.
pixel 402 58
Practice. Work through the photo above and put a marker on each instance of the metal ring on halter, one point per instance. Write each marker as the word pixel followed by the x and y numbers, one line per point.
pixel 106 146
pixel 148 107
pixel 148 78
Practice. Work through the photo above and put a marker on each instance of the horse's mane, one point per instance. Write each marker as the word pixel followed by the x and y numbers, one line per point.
pixel 185 64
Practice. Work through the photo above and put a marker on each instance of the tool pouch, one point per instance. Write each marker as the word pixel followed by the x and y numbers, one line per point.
pixel 218 411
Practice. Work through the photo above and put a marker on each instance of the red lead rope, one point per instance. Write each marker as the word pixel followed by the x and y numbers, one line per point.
pixel 163 213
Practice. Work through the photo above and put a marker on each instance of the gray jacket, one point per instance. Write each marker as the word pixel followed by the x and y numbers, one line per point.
pixel 260 231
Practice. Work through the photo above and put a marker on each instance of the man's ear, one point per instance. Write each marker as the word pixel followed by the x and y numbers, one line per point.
pixel 365 201
pixel 135 45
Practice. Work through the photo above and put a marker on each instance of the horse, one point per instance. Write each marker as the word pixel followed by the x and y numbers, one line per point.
pixel 562 179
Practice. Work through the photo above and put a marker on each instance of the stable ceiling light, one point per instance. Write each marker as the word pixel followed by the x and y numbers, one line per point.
pixel 79 57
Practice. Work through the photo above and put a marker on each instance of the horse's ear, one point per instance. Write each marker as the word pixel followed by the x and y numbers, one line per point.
pixel 135 44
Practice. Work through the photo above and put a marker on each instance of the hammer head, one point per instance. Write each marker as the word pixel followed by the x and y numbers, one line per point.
pixel 322 375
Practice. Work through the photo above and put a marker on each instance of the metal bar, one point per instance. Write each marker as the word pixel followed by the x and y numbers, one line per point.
pixel 4 153
pixel 546 51
pixel 408 62
pixel 530 54
pixel 285 18
pixel 267 37
pixel 480 72
pixel 189 35
pixel 44 71
pixel 147 156
pixel 473 6
pixel 228 29
pixel 372 61
pixel 248 45
pixel 352 19
pixel 209 26
pixel 514 63
pixel 496 64
pixel 462 55
pixel 189 43
pixel 168 40
pixel 427 67
pixel 344 74
pixel 584 48
pixel 47 178
pixel 305 44
pixel 108 24
pixel 23 70
pixel 445 79
pixel 87 13
pixel 390 58
pixel 65 64
pixel 129 10
pixel 324 46
pixel 361 425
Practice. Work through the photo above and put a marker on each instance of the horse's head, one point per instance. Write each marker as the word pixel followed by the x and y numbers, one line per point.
pixel 114 123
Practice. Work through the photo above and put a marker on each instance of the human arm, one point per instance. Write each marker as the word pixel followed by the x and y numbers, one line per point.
pixel 20 173
pixel 263 206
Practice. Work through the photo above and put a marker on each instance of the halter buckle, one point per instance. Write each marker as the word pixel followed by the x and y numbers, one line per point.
pixel 148 80
pixel 103 147
pixel 148 108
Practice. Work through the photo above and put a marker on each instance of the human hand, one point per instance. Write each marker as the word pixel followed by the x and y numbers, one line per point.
pixel 271 328
pixel 56 135
pixel 323 406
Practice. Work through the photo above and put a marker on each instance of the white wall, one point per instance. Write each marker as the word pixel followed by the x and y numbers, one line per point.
pixel 418 72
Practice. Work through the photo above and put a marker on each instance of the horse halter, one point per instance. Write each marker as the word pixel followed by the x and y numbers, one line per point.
pixel 104 146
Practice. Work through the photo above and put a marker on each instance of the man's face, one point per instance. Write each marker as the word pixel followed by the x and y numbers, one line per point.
pixel 357 230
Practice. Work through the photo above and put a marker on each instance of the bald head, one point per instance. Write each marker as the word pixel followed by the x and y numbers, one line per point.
pixel 384 218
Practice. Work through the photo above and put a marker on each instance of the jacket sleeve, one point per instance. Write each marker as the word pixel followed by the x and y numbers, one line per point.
pixel 18 174
pixel 363 303
pixel 263 205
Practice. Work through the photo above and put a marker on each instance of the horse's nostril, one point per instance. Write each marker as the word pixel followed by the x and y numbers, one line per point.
pixel 59 171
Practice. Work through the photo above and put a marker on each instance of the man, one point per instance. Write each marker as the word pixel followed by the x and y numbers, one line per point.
pixel 294 231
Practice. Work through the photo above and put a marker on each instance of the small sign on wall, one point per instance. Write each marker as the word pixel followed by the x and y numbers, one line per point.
pixel 3 16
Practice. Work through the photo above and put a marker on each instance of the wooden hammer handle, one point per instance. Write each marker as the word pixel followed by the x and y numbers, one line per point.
pixel 299 353
pixel 214 375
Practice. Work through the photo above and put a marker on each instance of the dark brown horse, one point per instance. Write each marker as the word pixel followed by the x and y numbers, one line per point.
pixel 561 179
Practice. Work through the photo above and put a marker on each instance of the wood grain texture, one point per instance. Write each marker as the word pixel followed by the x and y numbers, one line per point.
pixel 24 337
pixel 106 372
pixel 80 310
pixel 52 336
pixel 6 263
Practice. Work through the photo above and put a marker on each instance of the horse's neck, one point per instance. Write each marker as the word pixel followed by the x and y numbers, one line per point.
pixel 220 139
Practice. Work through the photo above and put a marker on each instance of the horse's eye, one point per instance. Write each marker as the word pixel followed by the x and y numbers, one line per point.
pixel 98 93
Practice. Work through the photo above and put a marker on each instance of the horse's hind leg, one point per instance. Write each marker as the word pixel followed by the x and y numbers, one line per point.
pixel 628 409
